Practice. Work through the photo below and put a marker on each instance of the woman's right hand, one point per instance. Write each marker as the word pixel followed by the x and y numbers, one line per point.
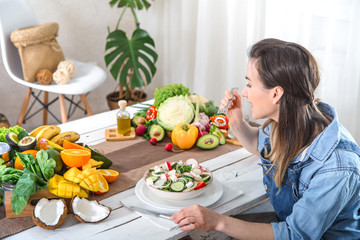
pixel 235 114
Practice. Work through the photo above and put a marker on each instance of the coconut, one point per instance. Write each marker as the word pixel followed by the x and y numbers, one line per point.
pixel 49 213
pixel 87 211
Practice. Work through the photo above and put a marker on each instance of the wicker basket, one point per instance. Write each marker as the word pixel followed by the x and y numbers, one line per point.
pixel 38 49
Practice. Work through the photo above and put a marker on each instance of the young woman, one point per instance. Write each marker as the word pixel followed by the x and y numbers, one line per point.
pixel 311 164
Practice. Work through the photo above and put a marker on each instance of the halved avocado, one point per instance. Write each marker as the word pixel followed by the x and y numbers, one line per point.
pixel 217 132
pixel 156 131
pixel 138 120
pixel 208 141
pixel 27 143
pixel 12 139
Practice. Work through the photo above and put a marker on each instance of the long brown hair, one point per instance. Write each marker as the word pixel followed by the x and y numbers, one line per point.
pixel 295 70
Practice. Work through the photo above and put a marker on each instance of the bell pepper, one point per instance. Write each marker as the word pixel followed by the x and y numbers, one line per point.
pixel 151 113
pixel 184 135
pixel 220 121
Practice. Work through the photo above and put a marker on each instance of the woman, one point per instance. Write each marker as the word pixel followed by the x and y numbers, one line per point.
pixel 311 164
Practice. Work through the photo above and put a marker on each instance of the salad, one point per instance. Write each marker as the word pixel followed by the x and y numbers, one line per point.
pixel 178 176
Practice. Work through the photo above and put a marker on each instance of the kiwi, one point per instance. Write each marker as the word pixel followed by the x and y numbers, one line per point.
pixel 27 143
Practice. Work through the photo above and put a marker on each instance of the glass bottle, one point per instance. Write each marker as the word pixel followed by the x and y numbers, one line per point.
pixel 123 118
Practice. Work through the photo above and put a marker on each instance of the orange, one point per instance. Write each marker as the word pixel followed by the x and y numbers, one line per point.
pixel 70 145
pixel 109 174
pixel 75 157
pixel 18 164
pixel 104 186
pixel 5 157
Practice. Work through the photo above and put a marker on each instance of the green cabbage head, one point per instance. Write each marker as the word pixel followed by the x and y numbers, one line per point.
pixel 174 110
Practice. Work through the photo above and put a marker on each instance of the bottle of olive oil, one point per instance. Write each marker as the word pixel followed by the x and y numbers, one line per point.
pixel 123 119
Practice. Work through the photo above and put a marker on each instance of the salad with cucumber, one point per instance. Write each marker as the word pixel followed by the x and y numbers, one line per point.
pixel 178 176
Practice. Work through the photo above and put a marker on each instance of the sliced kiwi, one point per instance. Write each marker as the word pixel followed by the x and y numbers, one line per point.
pixel 27 143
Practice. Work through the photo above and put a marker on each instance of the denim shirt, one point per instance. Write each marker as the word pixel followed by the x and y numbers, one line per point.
pixel 320 193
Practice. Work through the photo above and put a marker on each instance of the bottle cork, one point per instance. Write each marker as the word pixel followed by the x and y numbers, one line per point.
pixel 122 104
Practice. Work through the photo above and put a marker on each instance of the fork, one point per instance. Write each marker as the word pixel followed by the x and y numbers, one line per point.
pixel 225 110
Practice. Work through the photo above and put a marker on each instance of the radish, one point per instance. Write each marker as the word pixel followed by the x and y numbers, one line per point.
pixel 168 147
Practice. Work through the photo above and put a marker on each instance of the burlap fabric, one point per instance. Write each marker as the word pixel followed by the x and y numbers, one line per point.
pixel 131 159
pixel 38 49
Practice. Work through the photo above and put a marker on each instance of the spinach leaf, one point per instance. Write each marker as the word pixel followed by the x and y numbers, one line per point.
pixel 29 163
pixel 27 185
pixel 47 165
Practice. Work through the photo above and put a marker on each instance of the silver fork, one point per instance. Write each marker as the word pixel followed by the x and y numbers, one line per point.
pixel 225 110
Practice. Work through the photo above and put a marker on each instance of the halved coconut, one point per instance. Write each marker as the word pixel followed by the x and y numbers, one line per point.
pixel 49 213
pixel 87 211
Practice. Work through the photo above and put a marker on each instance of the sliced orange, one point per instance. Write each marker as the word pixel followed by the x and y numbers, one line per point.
pixel 104 186
pixel 109 174
pixel 75 157
pixel 18 164
pixel 70 145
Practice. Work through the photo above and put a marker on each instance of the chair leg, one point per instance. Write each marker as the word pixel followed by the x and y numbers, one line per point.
pixel 86 104
pixel 62 109
pixel 24 107
pixel 45 112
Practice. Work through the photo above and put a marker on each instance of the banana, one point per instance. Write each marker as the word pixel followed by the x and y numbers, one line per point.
pixel 37 130
pixel 70 136
pixel 48 132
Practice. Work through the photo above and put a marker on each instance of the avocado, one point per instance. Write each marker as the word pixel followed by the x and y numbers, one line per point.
pixel 12 139
pixel 156 131
pixel 27 143
pixel 139 120
pixel 214 130
pixel 52 153
pixel 208 141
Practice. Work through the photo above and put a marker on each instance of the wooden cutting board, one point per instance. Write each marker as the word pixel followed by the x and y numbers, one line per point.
pixel 111 134
pixel 29 208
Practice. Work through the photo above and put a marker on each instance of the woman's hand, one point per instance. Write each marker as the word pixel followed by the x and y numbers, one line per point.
pixel 197 217
pixel 235 114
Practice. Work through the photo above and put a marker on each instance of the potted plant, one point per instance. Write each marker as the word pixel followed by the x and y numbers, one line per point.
pixel 131 60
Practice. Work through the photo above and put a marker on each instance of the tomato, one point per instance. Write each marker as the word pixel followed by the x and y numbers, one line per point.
pixel 200 184
pixel 151 113
pixel 220 121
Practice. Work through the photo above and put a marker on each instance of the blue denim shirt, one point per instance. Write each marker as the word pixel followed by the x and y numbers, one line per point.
pixel 320 193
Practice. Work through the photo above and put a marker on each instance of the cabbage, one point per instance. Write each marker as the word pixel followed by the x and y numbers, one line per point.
pixel 175 110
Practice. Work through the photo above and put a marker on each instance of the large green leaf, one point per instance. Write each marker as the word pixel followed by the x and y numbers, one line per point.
pixel 137 4
pixel 136 54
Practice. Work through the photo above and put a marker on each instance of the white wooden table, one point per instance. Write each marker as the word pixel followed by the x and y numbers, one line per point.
pixel 125 224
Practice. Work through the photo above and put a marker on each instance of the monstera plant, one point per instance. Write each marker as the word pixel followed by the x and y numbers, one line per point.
pixel 131 60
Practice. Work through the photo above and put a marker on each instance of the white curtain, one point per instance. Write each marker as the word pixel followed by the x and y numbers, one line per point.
pixel 203 44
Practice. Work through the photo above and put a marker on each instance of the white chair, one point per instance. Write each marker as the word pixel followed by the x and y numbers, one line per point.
pixel 16 14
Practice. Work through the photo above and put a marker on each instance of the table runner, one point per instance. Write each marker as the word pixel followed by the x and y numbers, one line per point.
pixel 131 159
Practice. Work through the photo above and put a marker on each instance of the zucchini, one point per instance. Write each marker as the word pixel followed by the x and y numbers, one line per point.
pixel 99 157
pixel 177 186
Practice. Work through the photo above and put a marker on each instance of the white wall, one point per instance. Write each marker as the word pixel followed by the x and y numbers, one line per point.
pixel 82 35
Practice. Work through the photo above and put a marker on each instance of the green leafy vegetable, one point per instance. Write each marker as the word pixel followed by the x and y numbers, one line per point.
pixel 47 165
pixel 167 91
pixel 16 129
pixel 27 185
pixel 175 110
pixel 10 175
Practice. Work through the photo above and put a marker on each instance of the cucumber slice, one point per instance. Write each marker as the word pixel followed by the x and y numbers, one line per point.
pixel 153 178
pixel 206 178
pixel 177 186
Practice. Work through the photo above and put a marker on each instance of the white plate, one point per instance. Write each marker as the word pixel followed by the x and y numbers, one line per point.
pixel 213 193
